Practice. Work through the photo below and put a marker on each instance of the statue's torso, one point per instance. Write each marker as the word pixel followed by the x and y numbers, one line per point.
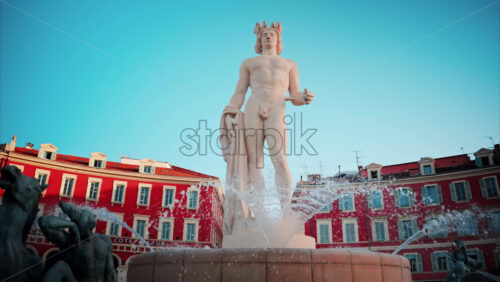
pixel 269 79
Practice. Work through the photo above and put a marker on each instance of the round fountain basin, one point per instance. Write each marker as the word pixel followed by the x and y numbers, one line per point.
pixel 271 265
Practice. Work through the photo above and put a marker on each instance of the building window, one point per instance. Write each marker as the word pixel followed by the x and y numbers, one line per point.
pixel 494 222
pixel 47 151
pixel 42 176
pixel 440 262
pixel 67 185
pixel 324 231
pixel 374 174
pixel 375 200
pixel 436 229
pixel 191 230
pixel 149 169
pixel 404 197
pixel 166 231
pixel 406 228
pixel 489 187
pixel 192 198
pixel 477 255
pixel 379 230
pixel 97 160
pixel 496 255
pixel 346 202
pixel 144 193
pixel 373 171
pixel 93 188
pixel 118 192
pixel 415 262
pixel 141 226
pixel 460 191
pixel 427 169
pixel 432 194
pixel 168 196
pixel 350 230
pixel 467 226
pixel 98 163
pixel 114 228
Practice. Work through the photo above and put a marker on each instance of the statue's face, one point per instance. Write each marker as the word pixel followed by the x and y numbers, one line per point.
pixel 269 38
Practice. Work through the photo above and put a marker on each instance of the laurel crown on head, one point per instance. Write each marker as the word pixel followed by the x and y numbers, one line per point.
pixel 258 28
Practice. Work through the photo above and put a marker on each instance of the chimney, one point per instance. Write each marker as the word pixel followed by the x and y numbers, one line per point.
pixel 29 145
pixel 12 145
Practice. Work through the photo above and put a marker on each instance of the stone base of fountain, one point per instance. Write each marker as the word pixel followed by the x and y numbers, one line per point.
pixel 271 265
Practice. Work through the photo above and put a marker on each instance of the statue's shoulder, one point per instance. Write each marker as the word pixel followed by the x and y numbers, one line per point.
pixel 290 62
pixel 249 61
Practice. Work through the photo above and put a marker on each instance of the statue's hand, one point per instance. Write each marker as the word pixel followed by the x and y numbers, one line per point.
pixel 231 121
pixel 307 96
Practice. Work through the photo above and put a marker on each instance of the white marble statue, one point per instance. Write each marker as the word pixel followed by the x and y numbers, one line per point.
pixel 242 138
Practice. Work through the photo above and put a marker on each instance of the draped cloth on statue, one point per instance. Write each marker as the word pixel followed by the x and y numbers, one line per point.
pixel 232 141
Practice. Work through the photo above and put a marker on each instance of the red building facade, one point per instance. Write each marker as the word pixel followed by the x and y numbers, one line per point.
pixel 169 206
pixel 382 206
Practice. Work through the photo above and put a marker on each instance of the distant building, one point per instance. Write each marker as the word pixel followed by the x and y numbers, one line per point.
pixel 416 193
pixel 167 205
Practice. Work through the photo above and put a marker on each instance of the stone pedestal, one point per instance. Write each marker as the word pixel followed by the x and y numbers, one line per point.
pixel 270 265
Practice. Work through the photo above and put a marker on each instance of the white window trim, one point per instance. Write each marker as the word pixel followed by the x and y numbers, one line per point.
pixel 427 161
pixel 147 162
pixel 195 221
pixel 89 182
pixel 320 222
pixel 61 189
pixel 160 227
pixel 416 257
pixel 168 187
pixel 381 199
pixel 193 188
pixel 143 185
pixel 108 225
pixel 447 262
pixel 346 221
pixel 96 156
pixel 386 229
pixel 145 218
pixel 116 183
pixel 39 171
pixel 374 167
pixel 496 183
pixel 49 148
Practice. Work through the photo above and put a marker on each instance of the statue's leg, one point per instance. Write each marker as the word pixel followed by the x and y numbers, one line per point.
pixel 59 272
pixel 255 149
pixel 276 138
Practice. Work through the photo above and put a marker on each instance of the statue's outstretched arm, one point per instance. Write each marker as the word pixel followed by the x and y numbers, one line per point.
pixel 53 228
pixel 299 98
pixel 241 88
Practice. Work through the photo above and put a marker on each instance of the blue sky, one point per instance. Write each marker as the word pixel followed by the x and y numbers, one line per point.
pixel 397 80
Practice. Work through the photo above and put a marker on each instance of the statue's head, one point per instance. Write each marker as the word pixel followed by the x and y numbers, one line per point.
pixel 268 37
pixel 20 188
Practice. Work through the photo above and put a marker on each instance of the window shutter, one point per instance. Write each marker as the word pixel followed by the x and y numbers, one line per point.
pixel 400 230
pixel 434 262
pixel 341 202
pixel 153 168
pixel 424 195
pixel 414 226
pixel 439 193
pixel 483 188
pixel 468 193
pixel 141 168
pixel 479 162
pixel 453 192
pixel 396 197
pixel 370 200
pixel 473 221
pixel 419 263
pixel 103 165
pixel 480 257
pixel 411 197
